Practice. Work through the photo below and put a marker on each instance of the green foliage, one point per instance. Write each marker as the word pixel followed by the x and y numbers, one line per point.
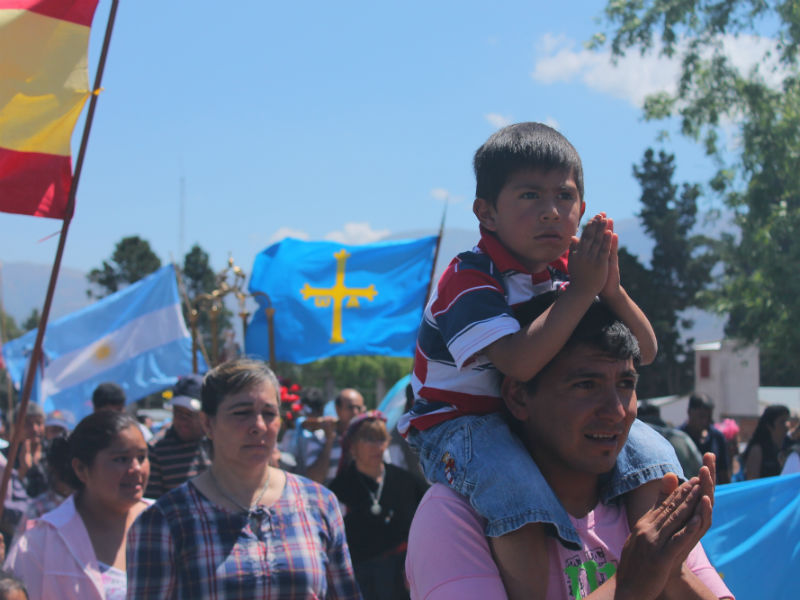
pixel 9 328
pixel 132 260
pixel 680 267
pixel 32 322
pixel 760 184
pixel 360 372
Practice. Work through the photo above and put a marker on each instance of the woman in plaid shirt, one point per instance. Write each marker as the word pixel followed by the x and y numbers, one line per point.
pixel 242 529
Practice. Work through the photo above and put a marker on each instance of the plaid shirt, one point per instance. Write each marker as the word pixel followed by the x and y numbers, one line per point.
pixel 184 546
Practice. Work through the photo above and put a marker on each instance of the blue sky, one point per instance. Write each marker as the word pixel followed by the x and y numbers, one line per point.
pixel 347 121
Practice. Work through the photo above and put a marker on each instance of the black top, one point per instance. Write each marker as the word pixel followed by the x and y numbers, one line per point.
pixel 369 535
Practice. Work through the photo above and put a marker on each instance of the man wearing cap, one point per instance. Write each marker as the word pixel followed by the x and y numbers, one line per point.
pixel 58 424
pixel 705 436
pixel 181 453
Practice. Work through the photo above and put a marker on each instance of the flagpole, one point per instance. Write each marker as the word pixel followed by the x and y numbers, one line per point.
pixel 36 355
pixel 436 254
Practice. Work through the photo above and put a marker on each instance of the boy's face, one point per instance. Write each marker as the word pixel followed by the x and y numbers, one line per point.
pixel 536 214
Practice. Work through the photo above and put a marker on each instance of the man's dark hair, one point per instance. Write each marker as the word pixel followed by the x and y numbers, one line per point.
pixel 701 400
pixel 314 399
pixel 521 147
pixel 599 328
pixel 108 394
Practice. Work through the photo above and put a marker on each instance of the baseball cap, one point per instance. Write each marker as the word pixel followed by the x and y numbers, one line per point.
pixel 60 418
pixel 186 392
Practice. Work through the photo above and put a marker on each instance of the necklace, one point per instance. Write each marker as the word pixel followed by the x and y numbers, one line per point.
pixel 375 509
pixel 246 509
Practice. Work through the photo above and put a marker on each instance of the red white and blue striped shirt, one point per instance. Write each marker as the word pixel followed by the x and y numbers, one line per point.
pixel 475 304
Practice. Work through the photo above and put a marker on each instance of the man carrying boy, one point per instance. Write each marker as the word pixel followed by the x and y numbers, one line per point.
pixel 589 388
pixel 529 202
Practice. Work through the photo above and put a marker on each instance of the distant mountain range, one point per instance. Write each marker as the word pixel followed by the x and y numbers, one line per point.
pixel 25 284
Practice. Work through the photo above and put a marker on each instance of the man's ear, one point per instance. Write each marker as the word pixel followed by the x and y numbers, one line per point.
pixel 515 396
pixel 486 213
pixel 583 208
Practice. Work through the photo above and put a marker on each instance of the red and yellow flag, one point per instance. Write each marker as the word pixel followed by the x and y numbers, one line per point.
pixel 44 83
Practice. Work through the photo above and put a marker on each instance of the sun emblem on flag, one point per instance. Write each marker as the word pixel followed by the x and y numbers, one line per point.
pixel 103 352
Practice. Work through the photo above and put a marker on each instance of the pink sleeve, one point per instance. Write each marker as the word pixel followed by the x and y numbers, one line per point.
pixel 448 555
pixel 699 564
pixel 25 561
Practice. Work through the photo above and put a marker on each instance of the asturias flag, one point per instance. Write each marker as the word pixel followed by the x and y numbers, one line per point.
pixel 337 299
pixel 136 338
pixel 44 84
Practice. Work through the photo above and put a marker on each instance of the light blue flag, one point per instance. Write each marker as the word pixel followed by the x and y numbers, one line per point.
pixel 136 338
pixel 754 541
pixel 336 299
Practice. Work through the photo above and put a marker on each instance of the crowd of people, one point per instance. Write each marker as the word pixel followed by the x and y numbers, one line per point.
pixel 95 511
pixel 539 481
pixel 225 501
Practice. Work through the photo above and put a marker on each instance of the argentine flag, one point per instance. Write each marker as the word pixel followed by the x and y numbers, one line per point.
pixel 136 338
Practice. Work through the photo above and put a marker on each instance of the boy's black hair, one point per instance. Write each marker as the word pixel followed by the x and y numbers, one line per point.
pixel 599 328
pixel 108 394
pixel 520 147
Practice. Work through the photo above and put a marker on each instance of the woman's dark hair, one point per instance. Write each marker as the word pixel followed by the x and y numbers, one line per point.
pixel 233 377
pixel 93 434
pixel 9 583
pixel 762 436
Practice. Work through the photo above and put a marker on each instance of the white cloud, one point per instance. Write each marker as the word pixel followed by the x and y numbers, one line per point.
pixel 357 233
pixel 634 76
pixel 440 194
pixel 551 122
pixel 443 195
pixel 285 232
pixel 497 120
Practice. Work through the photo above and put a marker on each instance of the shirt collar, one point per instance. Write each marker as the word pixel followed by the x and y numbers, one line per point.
pixel 506 262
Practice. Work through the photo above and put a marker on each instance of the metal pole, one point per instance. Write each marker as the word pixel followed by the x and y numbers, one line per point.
pixel 36 355
pixel 436 256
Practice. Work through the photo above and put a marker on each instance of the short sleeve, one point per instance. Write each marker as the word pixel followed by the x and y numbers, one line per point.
pixel 448 554
pixel 699 564
pixel 471 312
pixel 150 557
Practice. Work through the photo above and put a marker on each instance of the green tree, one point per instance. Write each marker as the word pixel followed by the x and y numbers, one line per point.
pixel 9 328
pixel 32 322
pixel 9 331
pixel 679 270
pixel 199 278
pixel 757 179
pixel 132 260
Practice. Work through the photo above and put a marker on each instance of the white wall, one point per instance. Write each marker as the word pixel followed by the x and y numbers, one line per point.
pixel 732 379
